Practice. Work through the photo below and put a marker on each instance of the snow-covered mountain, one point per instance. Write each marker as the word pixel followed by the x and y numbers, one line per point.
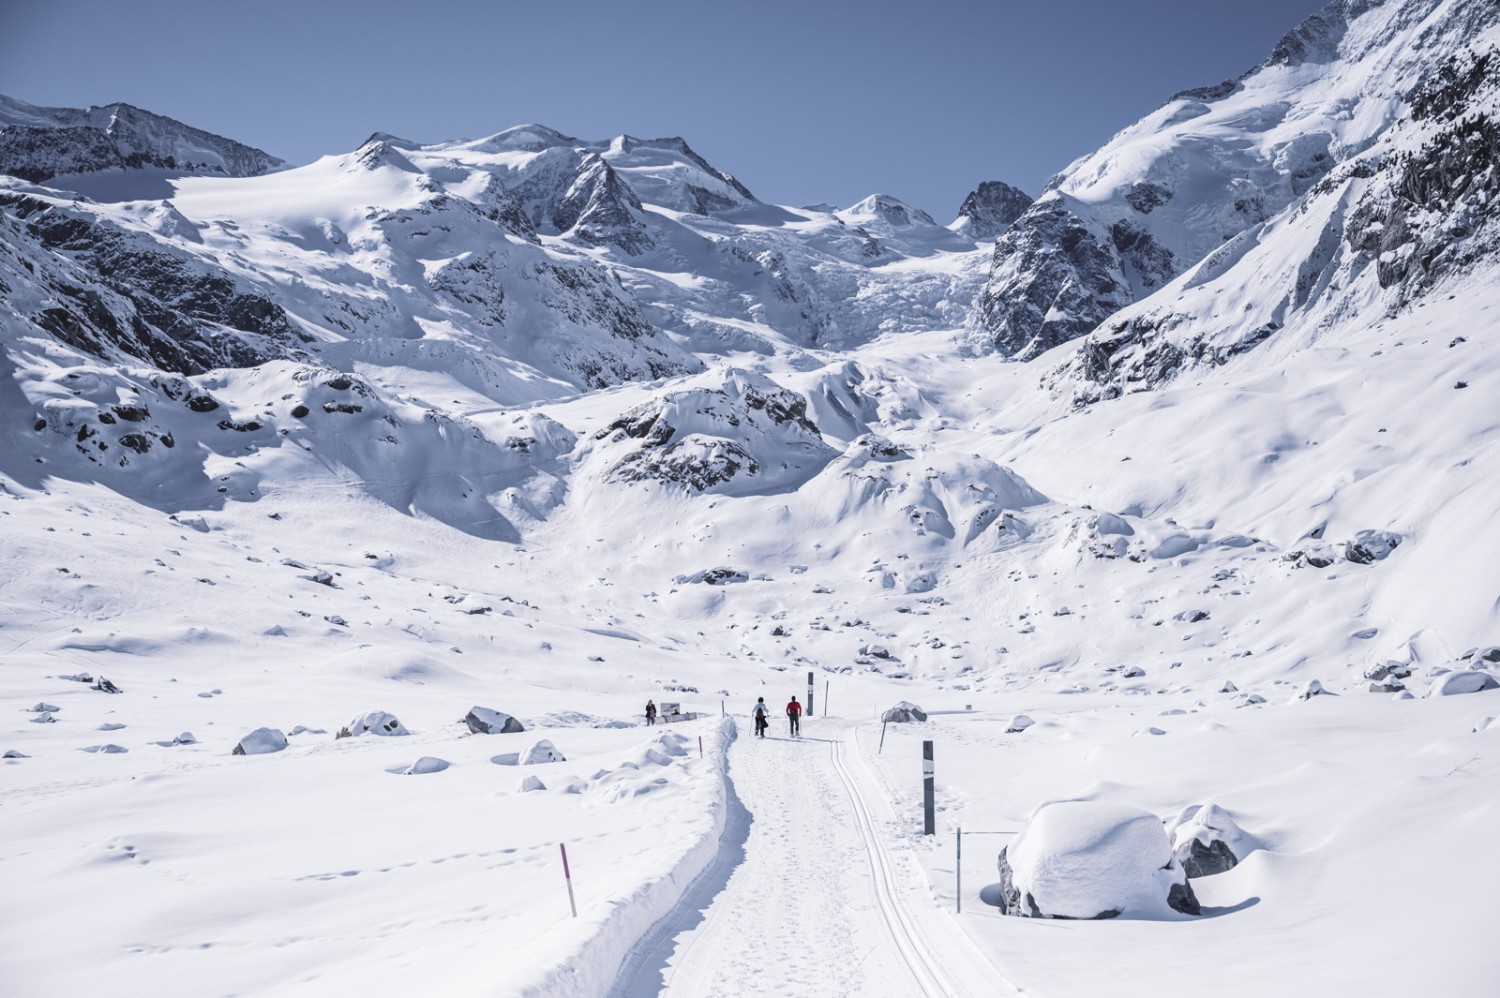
pixel 1116 484
pixel 1349 107
pixel 42 143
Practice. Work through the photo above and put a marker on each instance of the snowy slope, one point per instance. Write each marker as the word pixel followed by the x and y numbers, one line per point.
pixel 552 426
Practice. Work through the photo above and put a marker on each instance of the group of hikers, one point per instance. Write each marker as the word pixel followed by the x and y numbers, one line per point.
pixel 761 713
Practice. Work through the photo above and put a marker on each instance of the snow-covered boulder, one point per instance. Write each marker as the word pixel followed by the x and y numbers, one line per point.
pixel 1370 546
pixel 1109 523
pixel 261 741
pixel 530 783
pixel 1206 840
pixel 1311 688
pixel 542 751
pixel 484 721
pixel 426 764
pixel 1018 723
pixel 1463 681
pixel 1092 859
pixel 375 722
pixel 903 713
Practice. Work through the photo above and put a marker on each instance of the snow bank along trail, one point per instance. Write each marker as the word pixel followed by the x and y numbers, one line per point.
pixel 818 906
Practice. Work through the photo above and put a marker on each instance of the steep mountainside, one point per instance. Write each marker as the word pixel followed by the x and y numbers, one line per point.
pixel 1337 108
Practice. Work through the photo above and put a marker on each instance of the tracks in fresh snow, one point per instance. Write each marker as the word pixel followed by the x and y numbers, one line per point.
pixel 816 903
pixel 883 880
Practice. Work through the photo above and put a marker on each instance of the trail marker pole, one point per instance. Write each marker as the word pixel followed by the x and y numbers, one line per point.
pixel 929 815
pixel 700 746
pixel 721 708
pixel 882 738
pixel 809 694
pixel 825 697
pixel 958 868
pixel 568 876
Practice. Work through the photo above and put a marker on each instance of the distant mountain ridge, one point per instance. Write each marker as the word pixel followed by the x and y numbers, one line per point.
pixel 39 143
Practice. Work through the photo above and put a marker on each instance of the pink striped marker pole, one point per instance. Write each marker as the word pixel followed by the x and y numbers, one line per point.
pixel 568 876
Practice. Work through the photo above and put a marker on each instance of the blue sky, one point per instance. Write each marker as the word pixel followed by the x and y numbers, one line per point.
pixel 804 101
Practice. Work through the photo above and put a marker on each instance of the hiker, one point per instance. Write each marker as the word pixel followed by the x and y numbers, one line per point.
pixel 794 715
pixel 762 717
pixel 650 713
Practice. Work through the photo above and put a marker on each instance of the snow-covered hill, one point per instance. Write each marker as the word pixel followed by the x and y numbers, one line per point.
pixel 550 426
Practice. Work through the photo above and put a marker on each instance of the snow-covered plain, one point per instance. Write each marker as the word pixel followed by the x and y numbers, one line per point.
pixel 550 427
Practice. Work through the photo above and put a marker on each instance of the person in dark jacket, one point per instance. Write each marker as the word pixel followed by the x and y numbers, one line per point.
pixel 650 712
pixel 794 716
pixel 761 715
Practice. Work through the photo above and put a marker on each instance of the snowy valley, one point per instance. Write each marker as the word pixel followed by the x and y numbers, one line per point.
pixel 1169 492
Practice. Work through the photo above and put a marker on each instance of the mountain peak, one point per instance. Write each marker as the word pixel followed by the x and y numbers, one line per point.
pixel 990 209
pixel 890 210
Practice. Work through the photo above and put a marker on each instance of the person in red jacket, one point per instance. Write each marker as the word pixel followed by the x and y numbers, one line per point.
pixel 794 715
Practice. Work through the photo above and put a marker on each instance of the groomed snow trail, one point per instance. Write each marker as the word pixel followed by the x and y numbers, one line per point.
pixel 818 906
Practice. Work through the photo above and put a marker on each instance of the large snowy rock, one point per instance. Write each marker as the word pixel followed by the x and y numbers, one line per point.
pixel 484 721
pixel 1091 859
pixel 542 752
pixel 904 712
pixel 1463 681
pixel 375 722
pixel 1206 840
pixel 261 741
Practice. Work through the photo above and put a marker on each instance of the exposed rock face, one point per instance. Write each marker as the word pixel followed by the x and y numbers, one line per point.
pixel 990 209
pixel 118 294
pixel 39 143
pixel 1053 279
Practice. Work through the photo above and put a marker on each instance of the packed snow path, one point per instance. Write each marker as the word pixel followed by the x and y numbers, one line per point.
pixel 817 903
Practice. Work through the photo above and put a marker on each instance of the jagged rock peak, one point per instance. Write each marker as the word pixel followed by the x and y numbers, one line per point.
pixel 38 143
pixel 990 209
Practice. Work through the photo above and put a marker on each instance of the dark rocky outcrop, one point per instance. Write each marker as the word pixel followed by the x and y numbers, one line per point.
pixel 991 208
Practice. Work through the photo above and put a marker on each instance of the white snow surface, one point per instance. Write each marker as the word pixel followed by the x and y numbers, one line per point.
pixel 434 495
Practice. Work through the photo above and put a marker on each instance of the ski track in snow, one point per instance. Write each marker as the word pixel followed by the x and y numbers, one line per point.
pixel 816 905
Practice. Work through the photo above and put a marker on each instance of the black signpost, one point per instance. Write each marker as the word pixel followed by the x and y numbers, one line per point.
pixel 929 815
